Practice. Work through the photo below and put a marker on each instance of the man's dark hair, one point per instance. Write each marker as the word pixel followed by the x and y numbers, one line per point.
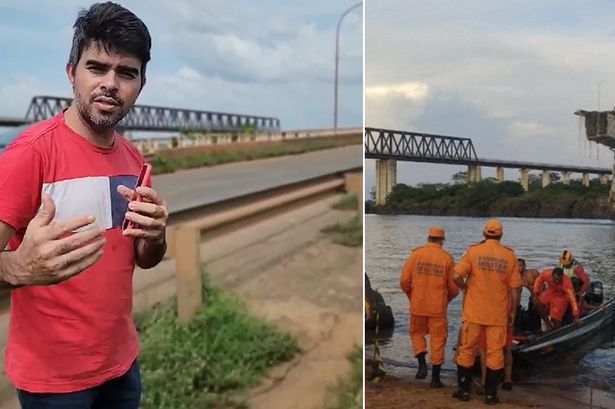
pixel 114 28
pixel 432 239
pixel 557 271
pixel 521 260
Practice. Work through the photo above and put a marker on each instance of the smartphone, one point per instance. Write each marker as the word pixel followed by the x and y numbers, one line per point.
pixel 143 180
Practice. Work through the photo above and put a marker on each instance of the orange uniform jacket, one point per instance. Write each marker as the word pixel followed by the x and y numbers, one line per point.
pixel 427 279
pixel 563 289
pixel 492 268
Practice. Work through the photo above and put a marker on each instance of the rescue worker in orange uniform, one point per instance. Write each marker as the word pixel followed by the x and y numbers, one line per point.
pixel 576 273
pixel 493 277
pixel 427 280
pixel 555 299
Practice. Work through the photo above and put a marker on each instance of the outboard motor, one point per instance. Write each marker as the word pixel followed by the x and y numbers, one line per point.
pixel 594 295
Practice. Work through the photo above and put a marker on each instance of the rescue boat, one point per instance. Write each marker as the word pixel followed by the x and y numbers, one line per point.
pixel 537 346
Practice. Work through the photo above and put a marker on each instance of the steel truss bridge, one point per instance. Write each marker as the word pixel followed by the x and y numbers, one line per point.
pixel 420 147
pixel 155 118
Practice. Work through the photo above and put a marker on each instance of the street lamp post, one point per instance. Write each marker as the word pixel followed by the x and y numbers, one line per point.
pixel 337 47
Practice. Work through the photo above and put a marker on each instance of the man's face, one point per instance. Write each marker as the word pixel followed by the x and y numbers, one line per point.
pixel 566 265
pixel 105 85
pixel 521 267
pixel 557 278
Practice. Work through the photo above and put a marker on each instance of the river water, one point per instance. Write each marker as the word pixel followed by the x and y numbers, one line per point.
pixel 389 239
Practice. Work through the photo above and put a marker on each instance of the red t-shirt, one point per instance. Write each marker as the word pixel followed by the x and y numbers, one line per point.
pixel 79 333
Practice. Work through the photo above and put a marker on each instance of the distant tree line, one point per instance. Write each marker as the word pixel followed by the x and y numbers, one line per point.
pixel 490 198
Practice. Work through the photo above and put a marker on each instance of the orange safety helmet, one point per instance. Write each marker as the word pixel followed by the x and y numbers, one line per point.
pixel 566 258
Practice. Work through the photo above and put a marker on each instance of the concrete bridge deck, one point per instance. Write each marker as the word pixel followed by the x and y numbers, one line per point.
pixel 187 189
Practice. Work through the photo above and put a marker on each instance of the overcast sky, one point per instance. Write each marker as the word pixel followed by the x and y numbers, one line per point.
pixel 508 74
pixel 271 58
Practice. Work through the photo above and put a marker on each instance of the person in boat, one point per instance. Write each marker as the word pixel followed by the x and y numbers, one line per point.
pixel 427 280
pixel 528 278
pixel 527 319
pixel 493 277
pixel 553 301
pixel 575 272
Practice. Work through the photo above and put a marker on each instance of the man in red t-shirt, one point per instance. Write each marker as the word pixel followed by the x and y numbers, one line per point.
pixel 63 183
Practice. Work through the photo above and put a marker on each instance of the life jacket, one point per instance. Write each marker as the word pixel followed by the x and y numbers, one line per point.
pixel 577 283
pixel 569 271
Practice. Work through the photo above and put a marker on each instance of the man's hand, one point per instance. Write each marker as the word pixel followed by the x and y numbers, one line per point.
pixel 461 284
pixel 577 321
pixel 151 214
pixel 49 253
pixel 511 319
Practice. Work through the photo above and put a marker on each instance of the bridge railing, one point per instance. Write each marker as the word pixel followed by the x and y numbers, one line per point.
pixel 151 145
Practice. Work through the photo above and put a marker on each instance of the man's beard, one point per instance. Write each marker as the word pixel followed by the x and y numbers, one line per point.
pixel 99 121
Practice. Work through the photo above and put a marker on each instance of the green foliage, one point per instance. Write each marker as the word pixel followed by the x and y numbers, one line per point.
pixel 210 362
pixel 348 202
pixel 348 234
pixel 489 198
pixel 460 178
pixel 168 165
pixel 247 128
pixel 350 392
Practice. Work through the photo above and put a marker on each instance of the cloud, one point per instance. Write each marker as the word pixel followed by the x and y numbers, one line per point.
pixel 413 91
pixel 509 75
pixel 273 43
pixel 269 58
pixel 526 130
pixel 17 92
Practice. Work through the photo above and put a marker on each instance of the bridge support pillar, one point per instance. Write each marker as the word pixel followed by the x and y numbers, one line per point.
pixel 586 179
pixel 473 173
pixel 524 178
pixel 139 145
pixel 499 174
pixel 566 177
pixel 604 179
pixel 546 178
pixel 386 178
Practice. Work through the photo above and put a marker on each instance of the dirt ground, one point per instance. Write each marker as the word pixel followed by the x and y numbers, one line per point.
pixel 315 294
pixel 398 393
pixel 407 393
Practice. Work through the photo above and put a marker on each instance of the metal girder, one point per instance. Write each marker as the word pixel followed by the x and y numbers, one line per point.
pixel 154 118
pixel 421 147
pixel 418 147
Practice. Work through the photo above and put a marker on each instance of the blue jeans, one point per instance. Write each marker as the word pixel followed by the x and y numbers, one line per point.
pixel 119 393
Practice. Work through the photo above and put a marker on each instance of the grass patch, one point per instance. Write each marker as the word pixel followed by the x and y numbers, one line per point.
pixel 162 164
pixel 211 362
pixel 348 202
pixel 350 392
pixel 347 234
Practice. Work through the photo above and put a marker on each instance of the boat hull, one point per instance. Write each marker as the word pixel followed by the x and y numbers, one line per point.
pixel 553 343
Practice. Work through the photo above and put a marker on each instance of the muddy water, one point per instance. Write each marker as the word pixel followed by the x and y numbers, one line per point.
pixel 388 239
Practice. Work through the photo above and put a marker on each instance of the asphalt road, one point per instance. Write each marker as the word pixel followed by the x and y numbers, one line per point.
pixel 195 187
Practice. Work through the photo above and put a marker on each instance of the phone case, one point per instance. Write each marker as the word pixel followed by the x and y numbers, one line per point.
pixel 143 180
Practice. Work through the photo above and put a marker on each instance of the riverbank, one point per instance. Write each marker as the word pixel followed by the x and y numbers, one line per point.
pixel 406 393
pixel 507 199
